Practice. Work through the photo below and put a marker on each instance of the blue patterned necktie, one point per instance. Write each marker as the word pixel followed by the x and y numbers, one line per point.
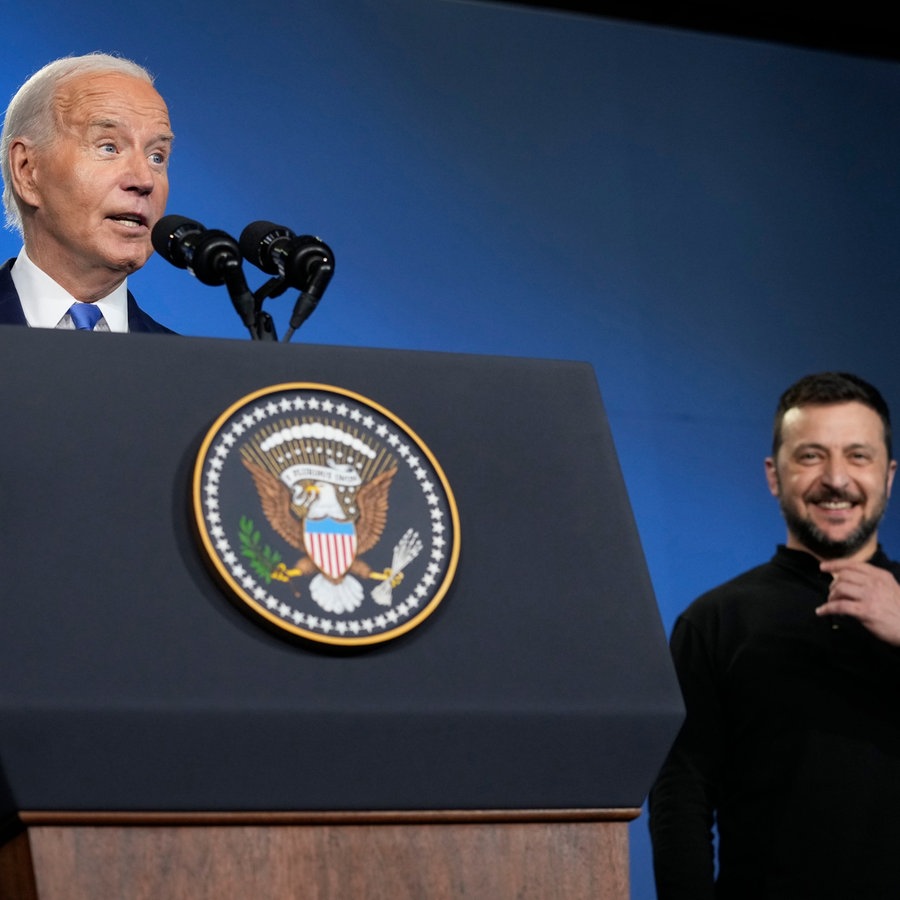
pixel 84 315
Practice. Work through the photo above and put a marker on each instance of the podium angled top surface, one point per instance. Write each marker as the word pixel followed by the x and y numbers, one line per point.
pixel 132 681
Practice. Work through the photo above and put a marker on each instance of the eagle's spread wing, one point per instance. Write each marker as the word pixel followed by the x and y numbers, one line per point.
pixel 276 503
pixel 372 500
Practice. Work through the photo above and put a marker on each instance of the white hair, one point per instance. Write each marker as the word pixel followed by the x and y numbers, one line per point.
pixel 31 113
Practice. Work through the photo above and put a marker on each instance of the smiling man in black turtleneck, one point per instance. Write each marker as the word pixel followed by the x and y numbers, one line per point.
pixel 790 748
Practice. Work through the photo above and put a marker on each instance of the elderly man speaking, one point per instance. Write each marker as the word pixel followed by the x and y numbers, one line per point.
pixel 85 151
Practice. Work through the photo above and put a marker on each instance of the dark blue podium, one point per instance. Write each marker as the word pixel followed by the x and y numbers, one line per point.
pixel 152 733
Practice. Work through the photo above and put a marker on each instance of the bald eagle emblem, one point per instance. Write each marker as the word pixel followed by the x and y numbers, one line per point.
pixel 331 517
pixel 325 514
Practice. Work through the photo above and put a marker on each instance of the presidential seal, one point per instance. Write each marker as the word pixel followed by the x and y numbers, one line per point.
pixel 325 514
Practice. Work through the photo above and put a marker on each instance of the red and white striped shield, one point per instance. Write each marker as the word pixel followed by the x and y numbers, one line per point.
pixel 331 544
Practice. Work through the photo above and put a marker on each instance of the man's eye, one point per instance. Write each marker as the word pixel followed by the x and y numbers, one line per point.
pixel 108 148
pixel 158 159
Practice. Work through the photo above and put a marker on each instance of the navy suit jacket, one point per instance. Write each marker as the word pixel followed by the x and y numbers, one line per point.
pixel 11 307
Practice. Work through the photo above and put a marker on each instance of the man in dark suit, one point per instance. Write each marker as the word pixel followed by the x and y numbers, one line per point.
pixel 11 312
pixel 85 149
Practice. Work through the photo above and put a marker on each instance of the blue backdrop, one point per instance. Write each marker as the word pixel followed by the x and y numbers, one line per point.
pixel 702 218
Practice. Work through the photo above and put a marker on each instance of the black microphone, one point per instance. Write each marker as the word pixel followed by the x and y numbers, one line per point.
pixel 303 262
pixel 209 255
pixel 259 243
pixel 213 257
pixel 318 261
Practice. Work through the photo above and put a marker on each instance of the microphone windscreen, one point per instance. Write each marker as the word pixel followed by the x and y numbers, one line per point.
pixel 167 235
pixel 256 243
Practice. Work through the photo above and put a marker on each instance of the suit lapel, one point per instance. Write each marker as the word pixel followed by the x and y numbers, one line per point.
pixel 10 308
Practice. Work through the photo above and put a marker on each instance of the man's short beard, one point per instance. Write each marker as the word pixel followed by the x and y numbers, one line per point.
pixel 811 537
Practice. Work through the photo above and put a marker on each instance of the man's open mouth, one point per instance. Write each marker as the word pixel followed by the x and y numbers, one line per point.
pixel 131 220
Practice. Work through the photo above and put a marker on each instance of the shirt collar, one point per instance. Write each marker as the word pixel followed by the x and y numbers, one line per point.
pixel 45 303
pixel 805 563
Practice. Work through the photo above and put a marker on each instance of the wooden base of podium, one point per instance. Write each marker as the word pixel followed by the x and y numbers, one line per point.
pixel 527 855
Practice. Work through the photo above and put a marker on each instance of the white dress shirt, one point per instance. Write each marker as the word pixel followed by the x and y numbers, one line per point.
pixel 46 304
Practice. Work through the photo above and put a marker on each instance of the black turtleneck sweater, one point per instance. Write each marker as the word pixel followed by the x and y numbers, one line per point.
pixel 791 744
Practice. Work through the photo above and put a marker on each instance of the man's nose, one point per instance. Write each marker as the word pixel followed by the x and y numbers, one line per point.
pixel 139 174
pixel 835 473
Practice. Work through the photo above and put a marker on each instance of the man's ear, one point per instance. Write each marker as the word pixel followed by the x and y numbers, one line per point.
pixel 772 477
pixel 22 166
